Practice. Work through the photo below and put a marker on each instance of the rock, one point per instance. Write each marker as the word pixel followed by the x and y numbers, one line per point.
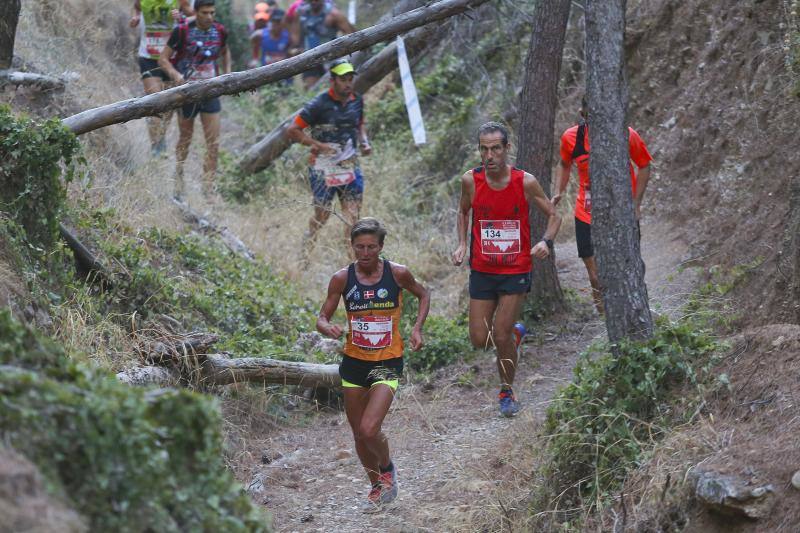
pixel 313 341
pixel 307 518
pixel 268 456
pixel 343 454
pixel 257 486
pixel 732 496
pixel 148 375
pixel 796 480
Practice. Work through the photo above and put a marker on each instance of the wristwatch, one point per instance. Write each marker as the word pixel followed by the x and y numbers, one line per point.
pixel 548 242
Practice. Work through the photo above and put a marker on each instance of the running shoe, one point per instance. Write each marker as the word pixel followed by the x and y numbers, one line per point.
pixel 519 334
pixel 390 486
pixel 373 503
pixel 509 406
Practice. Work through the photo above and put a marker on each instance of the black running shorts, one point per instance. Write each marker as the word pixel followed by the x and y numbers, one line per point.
pixel 583 238
pixel 483 286
pixel 368 373
pixel 149 69
pixel 212 105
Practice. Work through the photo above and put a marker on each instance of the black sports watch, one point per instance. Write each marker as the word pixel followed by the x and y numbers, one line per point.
pixel 548 242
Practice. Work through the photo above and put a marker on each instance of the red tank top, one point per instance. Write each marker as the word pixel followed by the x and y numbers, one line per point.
pixel 501 234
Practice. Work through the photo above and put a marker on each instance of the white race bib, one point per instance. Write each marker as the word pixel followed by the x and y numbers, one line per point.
pixel 500 237
pixel 371 332
pixel 155 41
pixel 204 71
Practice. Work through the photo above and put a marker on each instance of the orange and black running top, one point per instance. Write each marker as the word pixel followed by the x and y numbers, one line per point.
pixel 501 234
pixel 373 313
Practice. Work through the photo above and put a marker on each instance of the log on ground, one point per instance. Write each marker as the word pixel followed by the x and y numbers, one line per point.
pixel 220 370
pixel 31 79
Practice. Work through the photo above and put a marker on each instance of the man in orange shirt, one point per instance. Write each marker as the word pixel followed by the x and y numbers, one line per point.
pixel 575 147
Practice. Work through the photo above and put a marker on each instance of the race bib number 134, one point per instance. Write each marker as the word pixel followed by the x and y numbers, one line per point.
pixel 500 237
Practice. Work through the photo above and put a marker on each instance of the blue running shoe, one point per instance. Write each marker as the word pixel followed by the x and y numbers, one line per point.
pixel 509 406
pixel 519 334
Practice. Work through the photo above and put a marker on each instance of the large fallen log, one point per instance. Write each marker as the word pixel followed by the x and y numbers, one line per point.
pixel 238 82
pixel 86 263
pixel 264 152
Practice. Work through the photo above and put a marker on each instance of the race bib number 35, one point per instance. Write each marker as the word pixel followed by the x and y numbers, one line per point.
pixel 499 237
pixel 371 332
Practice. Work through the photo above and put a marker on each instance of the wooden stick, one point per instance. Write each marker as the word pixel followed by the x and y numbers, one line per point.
pixel 30 79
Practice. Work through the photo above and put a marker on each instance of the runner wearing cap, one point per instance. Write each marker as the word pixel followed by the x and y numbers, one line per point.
pixel 372 362
pixel 271 44
pixel 495 199
pixel 197 46
pixel 317 22
pixel 575 147
pixel 155 19
pixel 336 119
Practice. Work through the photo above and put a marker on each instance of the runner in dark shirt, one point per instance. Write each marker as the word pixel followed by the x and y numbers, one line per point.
pixel 336 119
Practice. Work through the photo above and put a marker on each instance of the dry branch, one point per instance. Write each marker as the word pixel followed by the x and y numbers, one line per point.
pixel 231 241
pixel 261 154
pixel 30 79
pixel 85 261
pixel 220 370
pixel 238 82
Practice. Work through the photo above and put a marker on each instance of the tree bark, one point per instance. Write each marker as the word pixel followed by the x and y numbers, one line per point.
pixel 260 155
pixel 238 82
pixel 793 241
pixel 219 370
pixel 229 239
pixel 538 105
pixel 9 16
pixel 614 233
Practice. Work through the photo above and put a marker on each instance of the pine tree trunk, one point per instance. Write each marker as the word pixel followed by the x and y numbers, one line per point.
pixel 537 119
pixel 793 248
pixel 614 233
pixel 9 15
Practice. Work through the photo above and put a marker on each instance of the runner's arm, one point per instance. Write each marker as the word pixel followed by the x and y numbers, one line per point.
pixel 462 217
pixel 296 134
pixel 186 8
pixel 255 42
pixel 536 194
pixel 226 60
pixel 366 149
pixel 341 22
pixel 166 65
pixel 335 289
pixel 641 184
pixel 564 170
pixel 406 281
pixel 136 13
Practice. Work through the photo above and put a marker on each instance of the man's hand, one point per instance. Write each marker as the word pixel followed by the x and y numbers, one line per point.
pixel 326 148
pixel 541 250
pixel 459 254
pixel 416 339
pixel 333 331
pixel 178 78
pixel 176 15
pixel 555 199
pixel 366 149
pixel 134 21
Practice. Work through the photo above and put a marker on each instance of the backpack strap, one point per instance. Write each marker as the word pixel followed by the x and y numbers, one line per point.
pixel 580 137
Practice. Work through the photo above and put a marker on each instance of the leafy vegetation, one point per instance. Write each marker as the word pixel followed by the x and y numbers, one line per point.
pixel 446 341
pixel 616 407
pixel 204 286
pixel 32 156
pixel 129 459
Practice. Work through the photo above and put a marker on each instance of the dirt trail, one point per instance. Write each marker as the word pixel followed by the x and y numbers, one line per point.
pixel 456 457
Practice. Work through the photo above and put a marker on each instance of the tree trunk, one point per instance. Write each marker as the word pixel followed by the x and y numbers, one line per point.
pixel 30 79
pixel 537 120
pixel 793 248
pixel 260 155
pixel 219 370
pixel 154 104
pixel 9 16
pixel 614 233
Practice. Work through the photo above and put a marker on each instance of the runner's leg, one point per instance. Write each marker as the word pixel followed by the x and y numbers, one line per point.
pixel 185 131
pixel 508 309
pixel 366 409
pixel 351 207
pixel 155 128
pixel 594 281
pixel 481 316
pixel 211 126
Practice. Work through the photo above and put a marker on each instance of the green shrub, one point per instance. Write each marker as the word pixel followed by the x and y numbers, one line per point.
pixel 205 286
pixel 129 459
pixel 602 421
pixel 446 341
pixel 31 158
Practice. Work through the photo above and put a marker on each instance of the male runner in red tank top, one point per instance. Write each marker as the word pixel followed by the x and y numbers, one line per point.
pixel 496 198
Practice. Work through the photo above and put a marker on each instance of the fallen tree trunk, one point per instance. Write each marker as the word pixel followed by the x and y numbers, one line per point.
pixel 231 241
pixel 220 370
pixel 30 79
pixel 86 263
pixel 264 152
pixel 238 82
